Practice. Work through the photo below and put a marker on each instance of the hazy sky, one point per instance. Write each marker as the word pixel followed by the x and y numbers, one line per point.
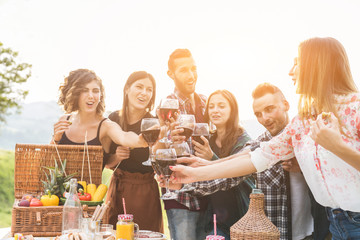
pixel 236 44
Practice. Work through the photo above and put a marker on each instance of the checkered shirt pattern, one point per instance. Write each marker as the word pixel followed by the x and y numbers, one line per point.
pixel 204 188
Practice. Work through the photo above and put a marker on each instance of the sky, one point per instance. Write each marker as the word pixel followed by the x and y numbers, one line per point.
pixel 236 44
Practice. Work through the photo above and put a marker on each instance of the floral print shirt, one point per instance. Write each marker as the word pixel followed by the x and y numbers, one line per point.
pixel 333 182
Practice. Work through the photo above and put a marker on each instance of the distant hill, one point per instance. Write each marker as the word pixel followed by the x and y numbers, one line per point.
pixel 33 125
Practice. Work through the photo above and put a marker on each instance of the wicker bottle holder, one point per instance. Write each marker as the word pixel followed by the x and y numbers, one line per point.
pixel 254 224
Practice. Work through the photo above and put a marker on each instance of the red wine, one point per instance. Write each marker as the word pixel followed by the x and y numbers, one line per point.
pixel 198 139
pixel 163 166
pixel 187 132
pixel 167 113
pixel 155 167
pixel 151 136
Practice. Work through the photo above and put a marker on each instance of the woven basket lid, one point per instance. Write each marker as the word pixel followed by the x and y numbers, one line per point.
pixel 254 224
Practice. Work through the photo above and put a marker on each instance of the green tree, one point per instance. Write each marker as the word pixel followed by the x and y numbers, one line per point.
pixel 12 74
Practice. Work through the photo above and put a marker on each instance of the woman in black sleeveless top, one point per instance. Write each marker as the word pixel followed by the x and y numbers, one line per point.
pixel 82 92
pixel 132 180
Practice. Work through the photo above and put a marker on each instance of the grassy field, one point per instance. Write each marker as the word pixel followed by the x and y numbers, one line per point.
pixel 6 187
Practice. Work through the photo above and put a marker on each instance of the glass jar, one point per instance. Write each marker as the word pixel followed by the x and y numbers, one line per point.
pixel 125 227
pixel 72 211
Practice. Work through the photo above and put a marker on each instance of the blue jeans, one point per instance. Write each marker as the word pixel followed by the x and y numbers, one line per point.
pixel 343 224
pixel 184 224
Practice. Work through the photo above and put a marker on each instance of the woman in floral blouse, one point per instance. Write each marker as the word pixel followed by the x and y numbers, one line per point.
pixel 324 137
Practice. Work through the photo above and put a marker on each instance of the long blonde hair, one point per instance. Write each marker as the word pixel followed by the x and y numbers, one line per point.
pixel 324 71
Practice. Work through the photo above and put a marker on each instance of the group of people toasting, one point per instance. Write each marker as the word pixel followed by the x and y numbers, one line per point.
pixel 308 168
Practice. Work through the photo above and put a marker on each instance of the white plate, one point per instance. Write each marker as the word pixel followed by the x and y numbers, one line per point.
pixel 163 237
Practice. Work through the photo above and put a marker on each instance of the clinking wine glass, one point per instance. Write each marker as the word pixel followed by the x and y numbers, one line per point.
pixel 164 159
pixel 201 129
pixel 168 107
pixel 183 150
pixel 187 122
pixel 150 129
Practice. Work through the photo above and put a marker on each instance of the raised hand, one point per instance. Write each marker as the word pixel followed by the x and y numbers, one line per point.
pixel 175 133
pixel 182 174
pixel 291 165
pixel 60 127
pixel 121 154
pixel 193 161
pixel 325 131
pixel 203 151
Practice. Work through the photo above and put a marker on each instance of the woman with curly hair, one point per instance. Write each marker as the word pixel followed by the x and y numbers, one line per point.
pixel 82 96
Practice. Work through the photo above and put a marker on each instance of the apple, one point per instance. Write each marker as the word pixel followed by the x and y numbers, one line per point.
pixel 24 203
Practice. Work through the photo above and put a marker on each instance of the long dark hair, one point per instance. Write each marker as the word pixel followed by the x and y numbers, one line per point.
pixel 135 76
pixel 233 128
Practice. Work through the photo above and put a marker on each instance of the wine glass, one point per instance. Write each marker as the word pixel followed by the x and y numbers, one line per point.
pixel 187 122
pixel 181 149
pixel 106 230
pixel 150 129
pixel 167 108
pixel 165 158
pixel 201 129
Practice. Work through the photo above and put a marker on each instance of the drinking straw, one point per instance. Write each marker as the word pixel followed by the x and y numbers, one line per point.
pixel 87 151
pixel 124 205
pixel 215 225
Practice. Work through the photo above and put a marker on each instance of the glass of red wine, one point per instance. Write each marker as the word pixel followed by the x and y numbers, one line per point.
pixel 201 129
pixel 165 158
pixel 150 129
pixel 168 107
pixel 181 149
pixel 187 122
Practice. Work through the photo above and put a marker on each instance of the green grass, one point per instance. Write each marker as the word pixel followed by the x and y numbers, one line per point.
pixel 6 186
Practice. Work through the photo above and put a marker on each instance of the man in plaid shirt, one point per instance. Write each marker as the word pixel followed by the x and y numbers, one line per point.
pixel 185 213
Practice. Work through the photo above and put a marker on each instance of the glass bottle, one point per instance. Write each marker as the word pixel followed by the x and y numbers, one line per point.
pixel 72 211
pixel 125 227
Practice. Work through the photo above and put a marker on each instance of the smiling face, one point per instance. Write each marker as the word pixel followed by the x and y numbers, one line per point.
pixel 271 112
pixel 219 110
pixel 139 94
pixel 89 97
pixel 184 75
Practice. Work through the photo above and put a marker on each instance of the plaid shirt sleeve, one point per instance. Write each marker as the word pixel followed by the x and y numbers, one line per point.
pixel 204 188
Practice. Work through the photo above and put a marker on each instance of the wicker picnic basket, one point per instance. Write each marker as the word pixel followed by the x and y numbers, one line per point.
pixel 254 224
pixel 29 162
